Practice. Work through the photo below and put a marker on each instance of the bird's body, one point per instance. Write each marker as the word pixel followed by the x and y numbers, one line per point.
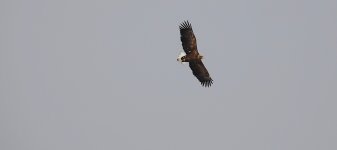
pixel 192 56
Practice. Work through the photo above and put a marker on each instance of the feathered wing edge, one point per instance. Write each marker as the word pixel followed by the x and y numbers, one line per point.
pixel 200 72
pixel 207 83
pixel 187 37
pixel 185 25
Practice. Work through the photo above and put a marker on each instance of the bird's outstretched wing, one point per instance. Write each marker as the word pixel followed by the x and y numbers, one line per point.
pixel 187 37
pixel 199 70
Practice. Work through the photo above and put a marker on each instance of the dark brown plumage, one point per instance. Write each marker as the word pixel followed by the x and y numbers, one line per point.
pixel 192 56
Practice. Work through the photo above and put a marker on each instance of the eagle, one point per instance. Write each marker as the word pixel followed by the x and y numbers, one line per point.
pixel 191 54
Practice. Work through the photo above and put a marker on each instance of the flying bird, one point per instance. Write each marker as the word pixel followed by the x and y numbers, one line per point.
pixel 191 54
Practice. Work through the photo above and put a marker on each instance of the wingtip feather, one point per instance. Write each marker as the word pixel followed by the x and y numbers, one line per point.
pixel 185 25
pixel 207 83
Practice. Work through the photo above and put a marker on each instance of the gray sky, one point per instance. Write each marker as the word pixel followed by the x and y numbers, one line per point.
pixel 103 75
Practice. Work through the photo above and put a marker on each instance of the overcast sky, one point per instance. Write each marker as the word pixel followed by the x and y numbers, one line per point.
pixel 103 75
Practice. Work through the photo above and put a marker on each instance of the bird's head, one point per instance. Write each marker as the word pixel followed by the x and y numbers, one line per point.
pixel 181 57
